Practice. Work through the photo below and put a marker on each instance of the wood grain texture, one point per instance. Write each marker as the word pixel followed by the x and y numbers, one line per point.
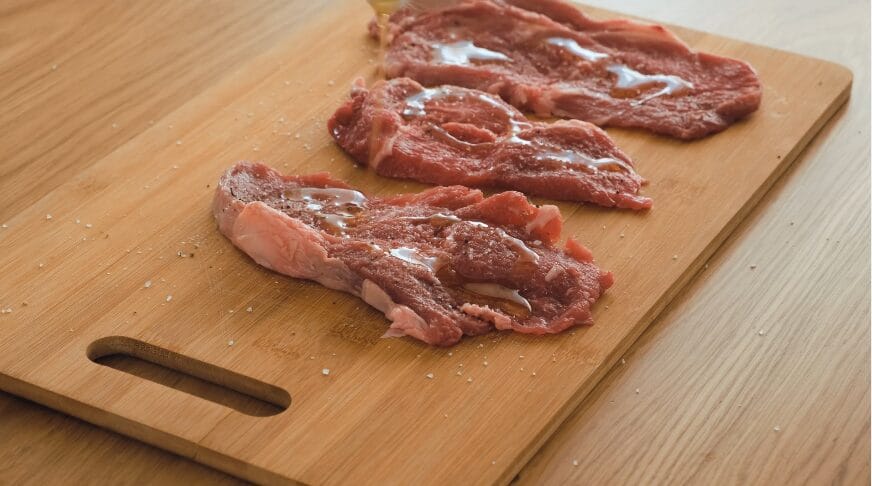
pixel 186 142
pixel 81 78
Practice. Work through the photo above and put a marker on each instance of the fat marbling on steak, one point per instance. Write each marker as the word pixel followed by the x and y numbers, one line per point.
pixel 451 135
pixel 440 264
pixel 547 57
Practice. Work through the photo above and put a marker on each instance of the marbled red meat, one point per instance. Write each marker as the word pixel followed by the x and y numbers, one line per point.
pixel 440 264
pixel 451 135
pixel 547 57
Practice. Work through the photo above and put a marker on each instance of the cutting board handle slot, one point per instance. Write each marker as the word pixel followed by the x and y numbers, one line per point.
pixel 241 393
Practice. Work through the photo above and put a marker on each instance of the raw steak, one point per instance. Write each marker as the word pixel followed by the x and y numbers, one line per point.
pixel 451 135
pixel 547 57
pixel 440 264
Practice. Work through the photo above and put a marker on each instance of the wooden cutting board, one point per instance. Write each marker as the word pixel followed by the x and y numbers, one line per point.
pixel 376 417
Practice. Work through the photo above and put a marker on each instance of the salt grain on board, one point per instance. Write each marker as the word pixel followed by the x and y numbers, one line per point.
pixel 429 376
pixel 325 371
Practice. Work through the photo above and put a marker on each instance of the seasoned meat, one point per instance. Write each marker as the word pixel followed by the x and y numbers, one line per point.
pixel 547 57
pixel 440 264
pixel 451 135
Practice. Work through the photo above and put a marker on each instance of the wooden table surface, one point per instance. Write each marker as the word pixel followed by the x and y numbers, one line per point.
pixel 758 373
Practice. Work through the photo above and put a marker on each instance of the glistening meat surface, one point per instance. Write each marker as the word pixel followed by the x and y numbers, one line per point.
pixel 547 57
pixel 440 264
pixel 451 135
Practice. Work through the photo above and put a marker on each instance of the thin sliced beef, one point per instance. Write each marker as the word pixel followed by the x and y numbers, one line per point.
pixel 440 264
pixel 547 57
pixel 451 135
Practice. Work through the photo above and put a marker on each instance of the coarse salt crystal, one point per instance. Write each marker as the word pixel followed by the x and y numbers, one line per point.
pixel 675 257
pixel 429 376
pixel 637 391
pixel 88 225
pixel 147 284
pixel 325 371
pixel 575 462
pixel 231 342
pixel 248 309
pixel 48 217
pixel 169 298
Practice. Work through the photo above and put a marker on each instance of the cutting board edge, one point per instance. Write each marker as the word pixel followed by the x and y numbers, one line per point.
pixel 141 432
